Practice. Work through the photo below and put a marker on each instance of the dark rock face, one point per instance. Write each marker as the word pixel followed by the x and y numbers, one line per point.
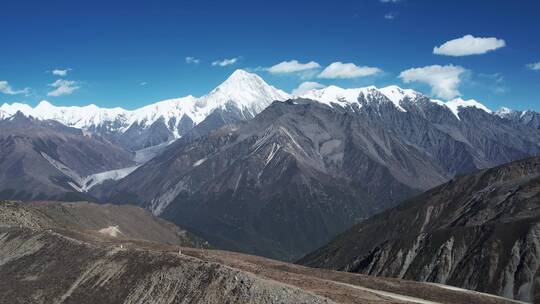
pixel 290 179
pixel 480 232
pixel 43 159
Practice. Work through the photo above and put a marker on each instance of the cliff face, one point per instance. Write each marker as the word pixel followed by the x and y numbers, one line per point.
pixel 480 232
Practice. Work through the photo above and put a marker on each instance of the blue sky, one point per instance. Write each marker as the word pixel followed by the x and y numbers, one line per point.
pixel 132 53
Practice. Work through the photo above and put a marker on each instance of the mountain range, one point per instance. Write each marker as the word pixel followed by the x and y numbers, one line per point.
pixel 251 168
pixel 243 93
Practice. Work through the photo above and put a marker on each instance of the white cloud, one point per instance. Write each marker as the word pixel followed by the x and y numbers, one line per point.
pixel 63 87
pixel 60 73
pixel 304 87
pixel 225 62
pixel 6 88
pixel 469 45
pixel 390 16
pixel 292 66
pixel 534 66
pixel 192 60
pixel 143 83
pixel 444 80
pixel 347 70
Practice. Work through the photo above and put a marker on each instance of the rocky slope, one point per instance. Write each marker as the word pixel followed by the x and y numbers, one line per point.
pixel 480 231
pixel 44 262
pixel 302 171
pixel 119 222
pixel 45 159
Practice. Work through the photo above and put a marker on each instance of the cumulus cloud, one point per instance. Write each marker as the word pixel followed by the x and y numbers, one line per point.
pixel 59 72
pixel 292 66
pixel 7 89
pixel 304 87
pixel 534 66
pixel 444 80
pixel 225 62
pixel 63 87
pixel 192 60
pixel 347 70
pixel 469 45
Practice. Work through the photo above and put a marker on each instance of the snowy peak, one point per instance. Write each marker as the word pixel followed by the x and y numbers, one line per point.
pixel 458 103
pixel 245 90
pixel 336 95
pixel 8 110
pixel 510 113
pixel 333 95
pixel 397 94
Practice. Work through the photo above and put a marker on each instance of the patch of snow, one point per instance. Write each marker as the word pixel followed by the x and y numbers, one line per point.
pixel 75 187
pixel 429 210
pixel 161 201
pixel 83 184
pixel 411 255
pixel 439 102
pixel 336 95
pixel 458 103
pixel 95 179
pixel 397 94
pixel 146 154
pixel 275 149
pixel 199 162
pixel 65 170
pixel 504 112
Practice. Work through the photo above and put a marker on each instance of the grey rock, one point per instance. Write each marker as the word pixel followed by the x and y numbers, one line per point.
pixel 480 231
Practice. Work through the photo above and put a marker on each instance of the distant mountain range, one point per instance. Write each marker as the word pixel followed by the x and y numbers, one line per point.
pixel 479 232
pixel 46 159
pixel 247 94
pixel 257 170
pixel 244 93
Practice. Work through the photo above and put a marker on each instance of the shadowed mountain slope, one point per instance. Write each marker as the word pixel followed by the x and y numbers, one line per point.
pixel 480 231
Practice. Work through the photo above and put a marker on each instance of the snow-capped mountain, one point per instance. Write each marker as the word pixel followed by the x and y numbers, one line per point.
pixel 246 93
pixel 330 157
pixel 300 171
pixel 528 117
pixel 242 96
pixel 333 95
